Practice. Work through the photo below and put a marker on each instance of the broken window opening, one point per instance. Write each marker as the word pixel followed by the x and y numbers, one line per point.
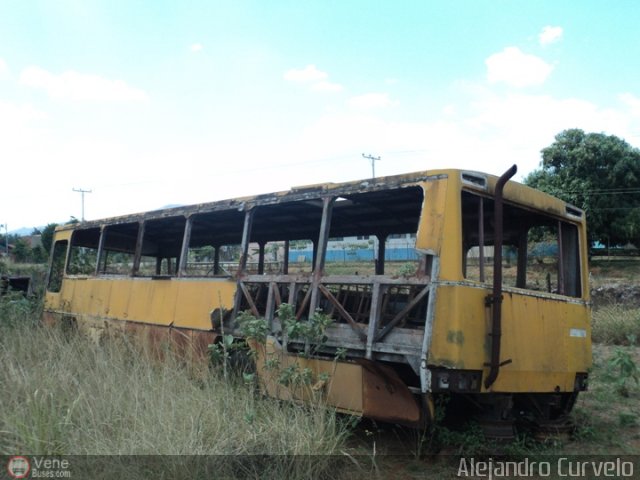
pixel 83 255
pixel 161 247
pixel 388 219
pixel 214 244
pixel 119 248
pixel 56 271
pixel 539 252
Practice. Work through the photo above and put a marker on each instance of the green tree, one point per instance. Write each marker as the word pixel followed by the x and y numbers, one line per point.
pixel 21 251
pixel 46 237
pixel 598 173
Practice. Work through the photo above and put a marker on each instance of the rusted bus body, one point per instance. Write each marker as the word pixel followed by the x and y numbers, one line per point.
pixel 407 336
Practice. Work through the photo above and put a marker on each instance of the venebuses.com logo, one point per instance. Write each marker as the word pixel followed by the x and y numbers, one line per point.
pixel 18 467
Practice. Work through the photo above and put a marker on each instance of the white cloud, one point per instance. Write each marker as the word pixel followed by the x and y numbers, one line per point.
pixel 196 47
pixel 14 117
pixel 481 130
pixel 326 87
pixel 76 86
pixel 632 102
pixel 371 100
pixel 315 79
pixel 307 74
pixel 517 69
pixel 550 35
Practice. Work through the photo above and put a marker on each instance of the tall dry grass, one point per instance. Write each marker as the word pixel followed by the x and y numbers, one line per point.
pixel 62 394
pixel 616 324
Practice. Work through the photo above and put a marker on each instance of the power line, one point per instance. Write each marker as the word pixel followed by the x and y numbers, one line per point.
pixel 604 191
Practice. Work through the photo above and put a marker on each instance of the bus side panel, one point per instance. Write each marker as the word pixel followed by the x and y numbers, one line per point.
pixel 152 301
pixel 547 340
pixel 198 298
pixel 429 236
pixel 179 303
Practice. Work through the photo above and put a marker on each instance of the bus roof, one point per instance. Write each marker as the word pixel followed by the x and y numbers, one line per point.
pixel 468 180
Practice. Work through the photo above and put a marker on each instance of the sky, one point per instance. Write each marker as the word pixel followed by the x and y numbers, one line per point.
pixel 155 103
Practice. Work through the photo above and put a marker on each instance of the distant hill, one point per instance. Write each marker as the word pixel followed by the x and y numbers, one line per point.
pixel 24 231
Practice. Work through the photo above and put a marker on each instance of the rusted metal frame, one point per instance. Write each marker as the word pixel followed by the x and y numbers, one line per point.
pixel 560 260
pixel 337 279
pixel 304 304
pixel 362 300
pixel 184 251
pixel 385 302
pixel 261 246
pixel 402 314
pixel 481 238
pixel 521 274
pixel 138 253
pixel 425 373
pixel 246 238
pixel 285 260
pixel 258 294
pixel 294 195
pixel 394 298
pixel 216 260
pixel 382 246
pixel 410 296
pixel 323 240
pixel 101 256
pixel 106 261
pixel 340 297
pixel 293 292
pixel 276 294
pixel 246 234
pixel 343 313
pixel 423 266
pixel 403 342
pixel 374 316
pixel 273 301
pixel 314 254
pixel 495 300
pixel 247 294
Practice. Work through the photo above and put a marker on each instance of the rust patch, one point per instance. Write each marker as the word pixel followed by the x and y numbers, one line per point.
pixel 456 337
pixel 180 341
pixel 200 344
pixel 386 397
pixel 49 319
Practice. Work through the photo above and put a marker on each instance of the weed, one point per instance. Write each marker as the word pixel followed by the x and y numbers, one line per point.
pixel 623 368
pixel 407 270
pixel 16 309
pixel 627 419
pixel 253 328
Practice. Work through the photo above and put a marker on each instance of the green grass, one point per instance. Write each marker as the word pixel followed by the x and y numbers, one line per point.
pixel 623 271
pixel 66 395
pixel 606 417
pixel 616 324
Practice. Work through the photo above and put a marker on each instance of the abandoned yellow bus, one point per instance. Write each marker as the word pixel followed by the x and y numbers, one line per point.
pixel 489 304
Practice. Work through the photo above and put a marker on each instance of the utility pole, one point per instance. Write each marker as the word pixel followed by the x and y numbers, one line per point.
pixel 82 192
pixel 373 160
pixel 6 239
